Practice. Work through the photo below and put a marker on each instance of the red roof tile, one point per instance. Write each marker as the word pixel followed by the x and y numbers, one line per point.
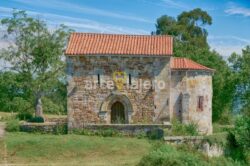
pixel 115 44
pixel 187 64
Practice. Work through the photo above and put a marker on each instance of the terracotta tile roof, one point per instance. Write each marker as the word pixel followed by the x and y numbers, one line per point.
pixel 115 44
pixel 187 64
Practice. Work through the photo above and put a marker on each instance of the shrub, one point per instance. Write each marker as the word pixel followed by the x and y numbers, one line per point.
pixel 166 155
pixel 183 129
pixel 155 134
pixel 239 140
pixel 218 139
pixel 13 125
pixel 61 129
pixel 24 115
pixel 141 134
pixel 37 119
pixel 183 155
pixel 191 129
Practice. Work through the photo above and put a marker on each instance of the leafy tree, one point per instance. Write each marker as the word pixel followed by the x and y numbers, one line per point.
pixel 241 67
pixel 190 40
pixel 188 27
pixel 36 54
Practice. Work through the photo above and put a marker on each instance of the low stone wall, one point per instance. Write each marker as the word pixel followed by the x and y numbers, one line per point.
pixel 199 142
pixel 47 127
pixel 129 129
pixel 126 129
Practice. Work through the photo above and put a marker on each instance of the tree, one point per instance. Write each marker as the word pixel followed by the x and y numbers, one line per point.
pixel 36 54
pixel 241 68
pixel 190 40
pixel 188 27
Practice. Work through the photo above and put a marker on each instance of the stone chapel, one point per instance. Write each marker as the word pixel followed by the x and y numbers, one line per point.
pixel 134 79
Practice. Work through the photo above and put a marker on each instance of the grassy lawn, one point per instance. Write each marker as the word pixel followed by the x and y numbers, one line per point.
pixel 24 148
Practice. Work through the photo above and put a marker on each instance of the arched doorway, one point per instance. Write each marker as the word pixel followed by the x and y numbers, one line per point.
pixel 105 112
pixel 117 113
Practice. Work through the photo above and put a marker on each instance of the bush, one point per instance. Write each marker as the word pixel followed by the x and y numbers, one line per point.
pixel 178 129
pixel 13 126
pixel 239 140
pixel 165 155
pixel 61 129
pixel 24 115
pixel 217 139
pixel 141 134
pixel 37 120
pixel 155 134
pixel 191 129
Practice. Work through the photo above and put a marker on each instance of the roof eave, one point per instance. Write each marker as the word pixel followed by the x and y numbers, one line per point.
pixel 131 55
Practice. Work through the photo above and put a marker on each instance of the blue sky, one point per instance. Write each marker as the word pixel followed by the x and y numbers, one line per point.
pixel 229 32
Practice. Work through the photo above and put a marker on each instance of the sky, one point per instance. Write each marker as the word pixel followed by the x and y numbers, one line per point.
pixel 230 31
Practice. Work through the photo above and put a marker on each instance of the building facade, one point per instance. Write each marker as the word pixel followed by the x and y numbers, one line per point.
pixel 134 79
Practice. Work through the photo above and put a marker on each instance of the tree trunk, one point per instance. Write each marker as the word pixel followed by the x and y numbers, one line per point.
pixel 39 107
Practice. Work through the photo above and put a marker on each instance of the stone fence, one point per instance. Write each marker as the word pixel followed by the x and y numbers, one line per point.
pixel 129 129
pixel 126 129
pixel 47 127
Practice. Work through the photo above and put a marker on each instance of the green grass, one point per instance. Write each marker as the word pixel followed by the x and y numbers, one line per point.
pixel 5 116
pixel 24 148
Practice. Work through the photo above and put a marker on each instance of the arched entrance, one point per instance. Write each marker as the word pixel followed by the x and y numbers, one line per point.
pixel 117 113
pixel 116 101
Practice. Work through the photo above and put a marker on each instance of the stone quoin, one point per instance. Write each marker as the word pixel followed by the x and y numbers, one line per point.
pixel 134 79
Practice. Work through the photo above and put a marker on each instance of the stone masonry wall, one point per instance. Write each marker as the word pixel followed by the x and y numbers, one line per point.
pixel 91 105
pixel 186 87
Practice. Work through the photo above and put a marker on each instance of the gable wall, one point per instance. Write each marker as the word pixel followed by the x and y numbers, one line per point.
pixel 149 105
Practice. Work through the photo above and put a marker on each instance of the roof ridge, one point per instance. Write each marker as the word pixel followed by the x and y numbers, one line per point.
pixel 81 43
pixel 118 34
pixel 184 63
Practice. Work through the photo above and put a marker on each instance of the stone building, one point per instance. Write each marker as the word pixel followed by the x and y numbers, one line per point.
pixel 134 79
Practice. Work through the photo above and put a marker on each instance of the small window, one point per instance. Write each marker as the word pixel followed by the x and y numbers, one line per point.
pixel 200 103
pixel 130 79
pixel 98 78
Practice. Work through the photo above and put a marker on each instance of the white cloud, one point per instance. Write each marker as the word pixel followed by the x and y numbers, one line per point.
pixel 233 9
pixel 175 4
pixel 78 24
pixel 226 45
pixel 64 6
pixel 167 4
